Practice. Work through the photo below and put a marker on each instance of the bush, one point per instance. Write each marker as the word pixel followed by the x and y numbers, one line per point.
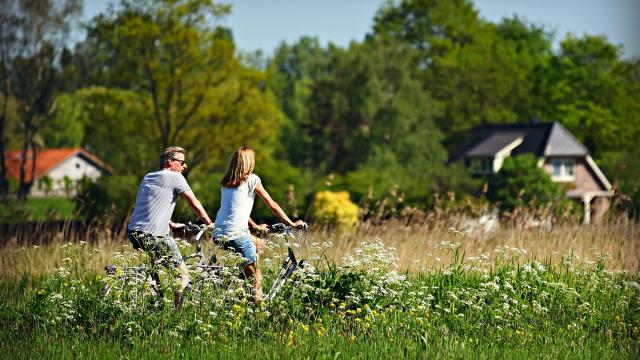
pixel 111 196
pixel 522 183
pixel 335 209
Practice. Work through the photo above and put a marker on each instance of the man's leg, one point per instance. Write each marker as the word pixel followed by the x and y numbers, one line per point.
pixel 185 279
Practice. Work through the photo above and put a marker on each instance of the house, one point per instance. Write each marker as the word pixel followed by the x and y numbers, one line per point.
pixel 560 154
pixel 59 172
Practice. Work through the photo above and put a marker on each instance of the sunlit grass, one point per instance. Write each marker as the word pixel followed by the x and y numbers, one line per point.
pixel 498 303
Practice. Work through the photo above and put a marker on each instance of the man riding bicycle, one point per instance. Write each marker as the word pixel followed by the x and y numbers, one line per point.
pixel 149 228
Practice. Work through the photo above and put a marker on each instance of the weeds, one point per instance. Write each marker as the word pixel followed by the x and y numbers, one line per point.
pixel 500 298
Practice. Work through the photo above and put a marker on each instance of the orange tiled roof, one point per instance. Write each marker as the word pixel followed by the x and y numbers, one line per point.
pixel 46 160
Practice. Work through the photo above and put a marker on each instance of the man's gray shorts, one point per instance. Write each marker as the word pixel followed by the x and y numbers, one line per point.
pixel 157 247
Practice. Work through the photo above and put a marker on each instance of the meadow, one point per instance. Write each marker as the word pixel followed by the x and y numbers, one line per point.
pixel 392 290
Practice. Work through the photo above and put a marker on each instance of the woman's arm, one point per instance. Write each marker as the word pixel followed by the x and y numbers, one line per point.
pixel 275 208
pixel 254 226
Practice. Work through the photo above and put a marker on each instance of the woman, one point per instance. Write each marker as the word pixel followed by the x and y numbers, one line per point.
pixel 233 220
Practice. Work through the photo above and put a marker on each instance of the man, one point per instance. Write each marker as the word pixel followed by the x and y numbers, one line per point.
pixel 149 228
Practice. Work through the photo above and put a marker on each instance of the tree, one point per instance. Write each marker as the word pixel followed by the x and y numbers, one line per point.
pixel 520 182
pixel 294 71
pixel 361 112
pixel 594 93
pixel 431 26
pixel 66 127
pixel 31 34
pixel 166 62
pixel 479 71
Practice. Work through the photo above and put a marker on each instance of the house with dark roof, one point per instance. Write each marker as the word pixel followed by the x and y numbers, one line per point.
pixel 560 154
pixel 58 172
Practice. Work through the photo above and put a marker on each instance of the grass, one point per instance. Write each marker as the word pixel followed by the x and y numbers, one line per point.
pixel 558 344
pixel 37 209
pixel 440 293
pixel 416 245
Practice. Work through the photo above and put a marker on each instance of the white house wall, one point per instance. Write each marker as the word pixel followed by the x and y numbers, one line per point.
pixel 75 167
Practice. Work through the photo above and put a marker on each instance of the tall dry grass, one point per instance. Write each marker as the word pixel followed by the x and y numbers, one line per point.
pixel 416 244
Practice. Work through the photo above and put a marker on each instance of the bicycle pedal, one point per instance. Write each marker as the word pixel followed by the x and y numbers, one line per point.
pixel 154 290
pixel 110 269
pixel 105 290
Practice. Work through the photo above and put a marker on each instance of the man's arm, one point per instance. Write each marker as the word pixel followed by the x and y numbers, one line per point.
pixel 196 206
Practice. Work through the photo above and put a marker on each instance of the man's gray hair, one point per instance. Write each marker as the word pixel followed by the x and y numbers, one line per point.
pixel 169 154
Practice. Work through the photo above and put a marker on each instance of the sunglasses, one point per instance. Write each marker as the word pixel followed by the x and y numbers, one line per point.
pixel 180 161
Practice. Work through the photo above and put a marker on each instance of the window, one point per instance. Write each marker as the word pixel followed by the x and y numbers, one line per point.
pixel 557 167
pixel 481 166
pixel 77 165
pixel 570 167
pixel 563 169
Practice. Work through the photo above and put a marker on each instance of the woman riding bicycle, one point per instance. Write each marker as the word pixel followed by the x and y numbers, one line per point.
pixel 232 223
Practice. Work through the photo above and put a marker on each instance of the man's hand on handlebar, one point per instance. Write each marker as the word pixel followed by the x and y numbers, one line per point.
pixel 299 224
pixel 178 229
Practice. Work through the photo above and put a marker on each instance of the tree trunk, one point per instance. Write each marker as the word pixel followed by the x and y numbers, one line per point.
pixel 23 188
pixel 4 182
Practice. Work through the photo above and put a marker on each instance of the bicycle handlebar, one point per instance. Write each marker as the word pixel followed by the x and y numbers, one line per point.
pixel 276 228
pixel 280 227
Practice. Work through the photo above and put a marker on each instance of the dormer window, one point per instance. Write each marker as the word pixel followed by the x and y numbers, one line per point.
pixel 563 169
pixel 481 166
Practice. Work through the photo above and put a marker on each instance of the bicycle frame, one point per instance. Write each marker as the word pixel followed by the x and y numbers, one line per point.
pixel 289 265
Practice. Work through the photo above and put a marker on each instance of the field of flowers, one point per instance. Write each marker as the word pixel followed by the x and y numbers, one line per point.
pixel 498 303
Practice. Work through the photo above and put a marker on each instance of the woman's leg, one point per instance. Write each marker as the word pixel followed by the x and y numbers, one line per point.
pixel 259 243
pixel 252 271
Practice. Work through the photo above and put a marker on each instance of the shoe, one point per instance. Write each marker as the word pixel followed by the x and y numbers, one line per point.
pixel 177 300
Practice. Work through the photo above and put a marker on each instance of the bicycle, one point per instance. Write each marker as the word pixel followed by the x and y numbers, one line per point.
pixel 208 269
pixel 149 274
pixel 289 266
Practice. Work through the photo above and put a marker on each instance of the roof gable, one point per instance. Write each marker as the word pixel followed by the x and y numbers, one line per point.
pixel 46 160
pixel 494 143
pixel 540 139
pixel 562 143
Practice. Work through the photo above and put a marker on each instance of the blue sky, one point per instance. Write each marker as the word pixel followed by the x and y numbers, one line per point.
pixel 264 24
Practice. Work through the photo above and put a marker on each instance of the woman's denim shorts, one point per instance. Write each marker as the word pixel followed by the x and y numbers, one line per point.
pixel 245 247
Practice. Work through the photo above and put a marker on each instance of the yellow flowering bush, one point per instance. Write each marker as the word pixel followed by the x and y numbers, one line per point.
pixel 336 209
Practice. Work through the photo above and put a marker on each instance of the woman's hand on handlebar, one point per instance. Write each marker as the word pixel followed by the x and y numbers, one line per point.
pixel 261 227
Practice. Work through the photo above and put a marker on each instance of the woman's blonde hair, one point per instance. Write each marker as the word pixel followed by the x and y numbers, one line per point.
pixel 241 164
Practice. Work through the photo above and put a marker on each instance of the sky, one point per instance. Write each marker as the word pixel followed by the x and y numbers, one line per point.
pixel 264 24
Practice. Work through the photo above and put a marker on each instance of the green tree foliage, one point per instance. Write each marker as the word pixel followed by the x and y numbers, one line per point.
pixel 179 75
pixel 433 27
pixel 66 127
pixel 32 34
pixel 520 183
pixel 294 71
pixel 481 72
pixel 111 198
pixel 595 94
pixel 361 112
